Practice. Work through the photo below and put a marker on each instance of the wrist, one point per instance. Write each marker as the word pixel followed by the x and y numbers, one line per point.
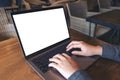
pixel 98 50
pixel 70 73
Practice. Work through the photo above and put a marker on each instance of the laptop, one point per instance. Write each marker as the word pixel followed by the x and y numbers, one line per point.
pixel 42 34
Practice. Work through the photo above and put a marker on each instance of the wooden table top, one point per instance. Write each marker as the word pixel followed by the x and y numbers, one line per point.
pixel 105 69
pixel 13 65
pixel 82 37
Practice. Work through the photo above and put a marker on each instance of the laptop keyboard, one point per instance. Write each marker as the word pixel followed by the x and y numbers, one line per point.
pixel 42 61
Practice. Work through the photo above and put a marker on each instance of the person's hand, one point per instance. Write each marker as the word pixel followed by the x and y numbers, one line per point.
pixel 86 49
pixel 64 64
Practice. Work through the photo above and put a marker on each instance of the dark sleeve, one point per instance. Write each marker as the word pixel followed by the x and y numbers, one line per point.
pixel 111 52
pixel 79 75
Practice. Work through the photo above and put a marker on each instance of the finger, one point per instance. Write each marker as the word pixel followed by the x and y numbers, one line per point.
pixel 66 56
pixel 72 43
pixel 55 60
pixel 73 46
pixel 77 53
pixel 54 65
pixel 59 56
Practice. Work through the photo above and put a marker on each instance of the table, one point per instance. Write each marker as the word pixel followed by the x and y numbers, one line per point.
pixel 109 19
pixel 105 69
pixel 102 69
pixel 12 64
pixel 14 67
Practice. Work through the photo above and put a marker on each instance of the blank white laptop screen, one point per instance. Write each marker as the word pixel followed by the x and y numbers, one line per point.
pixel 40 29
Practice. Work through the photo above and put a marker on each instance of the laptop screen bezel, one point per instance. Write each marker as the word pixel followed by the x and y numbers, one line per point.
pixel 47 48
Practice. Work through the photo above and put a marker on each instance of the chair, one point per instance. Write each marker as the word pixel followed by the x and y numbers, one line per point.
pixel 35 4
pixel 78 11
pixel 60 2
pixel 27 5
pixel 106 5
pixel 116 3
pixel 93 7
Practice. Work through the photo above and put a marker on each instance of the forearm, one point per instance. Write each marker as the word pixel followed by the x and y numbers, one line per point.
pixel 79 75
pixel 111 52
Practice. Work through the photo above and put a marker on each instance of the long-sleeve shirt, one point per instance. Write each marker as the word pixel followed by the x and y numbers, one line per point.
pixel 109 52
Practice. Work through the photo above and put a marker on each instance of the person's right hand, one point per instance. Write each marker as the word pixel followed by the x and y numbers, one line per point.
pixel 86 49
pixel 64 64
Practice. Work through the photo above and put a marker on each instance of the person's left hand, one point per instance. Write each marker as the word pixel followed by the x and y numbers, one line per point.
pixel 64 64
